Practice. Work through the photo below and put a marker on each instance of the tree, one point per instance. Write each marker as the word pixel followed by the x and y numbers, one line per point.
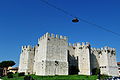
pixel 5 65
pixel 95 71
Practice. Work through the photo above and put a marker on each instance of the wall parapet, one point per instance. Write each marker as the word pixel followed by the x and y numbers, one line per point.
pixel 51 35
pixel 105 49
pixel 27 48
pixel 80 44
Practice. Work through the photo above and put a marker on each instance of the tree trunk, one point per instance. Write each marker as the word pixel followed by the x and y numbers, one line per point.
pixel 5 71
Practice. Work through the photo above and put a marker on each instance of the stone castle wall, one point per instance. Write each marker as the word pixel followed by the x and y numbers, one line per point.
pixel 54 56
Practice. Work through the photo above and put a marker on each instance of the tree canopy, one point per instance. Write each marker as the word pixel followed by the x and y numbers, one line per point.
pixel 7 64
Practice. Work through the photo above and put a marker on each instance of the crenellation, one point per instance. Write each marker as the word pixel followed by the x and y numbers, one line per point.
pixel 36 46
pixel 105 48
pixel 83 44
pixel 101 48
pixel 95 49
pixel 87 43
pixel 40 38
pixel 56 36
pixel 44 36
pixel 78 44
pixel 61 37
pixel 75 44
pixel 52 35
pixel 47 34
pixel 98 49
pixel 110 48
pixel 65 38
pixel 25 46
pixel 22 47
pixel 114 49
pixel 29 47
pixel 92 48
pixel 70 44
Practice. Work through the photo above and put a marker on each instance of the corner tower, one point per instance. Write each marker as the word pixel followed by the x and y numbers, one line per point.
pixel 108 55
pixel 51 55
pixel 104 59
pixel 26 60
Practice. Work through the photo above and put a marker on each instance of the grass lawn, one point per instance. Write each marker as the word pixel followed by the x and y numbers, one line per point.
pixel 68 77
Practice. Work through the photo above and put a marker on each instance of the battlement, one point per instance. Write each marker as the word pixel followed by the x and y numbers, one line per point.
pixel 80 44
pixel 83 44
pixel 27 48
pixel 104 49
pixel 70 44
pixel 51 35
pixel 36 46
pixel 96 49
pixel 108 48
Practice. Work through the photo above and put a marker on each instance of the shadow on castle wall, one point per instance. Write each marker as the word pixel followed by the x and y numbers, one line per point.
pixel 73 64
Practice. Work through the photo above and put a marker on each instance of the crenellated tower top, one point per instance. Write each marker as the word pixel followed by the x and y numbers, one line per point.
pixel 79 44
pixel 51 35
pixel 105 49
pixel 28 48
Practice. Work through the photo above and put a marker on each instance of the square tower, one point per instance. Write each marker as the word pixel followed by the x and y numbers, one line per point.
pixel 83 53
pixel 26 60
pixel 51 55
pixel 105 60
pixel 108 64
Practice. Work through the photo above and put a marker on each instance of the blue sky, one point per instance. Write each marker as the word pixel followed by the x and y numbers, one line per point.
pixel 22 22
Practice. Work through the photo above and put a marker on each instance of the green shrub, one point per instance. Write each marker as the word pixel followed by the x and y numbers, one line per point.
pixel 28 78
pixel 21 74
pixel 95 71
pixel 103 76
pixel 10 75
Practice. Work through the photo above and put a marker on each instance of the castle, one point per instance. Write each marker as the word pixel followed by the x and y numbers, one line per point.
pixel 54 56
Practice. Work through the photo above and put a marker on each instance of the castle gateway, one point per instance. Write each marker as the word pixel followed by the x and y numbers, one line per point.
pixel 54 56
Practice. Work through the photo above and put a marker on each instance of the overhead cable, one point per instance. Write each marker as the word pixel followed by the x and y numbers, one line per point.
pixel 83 20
